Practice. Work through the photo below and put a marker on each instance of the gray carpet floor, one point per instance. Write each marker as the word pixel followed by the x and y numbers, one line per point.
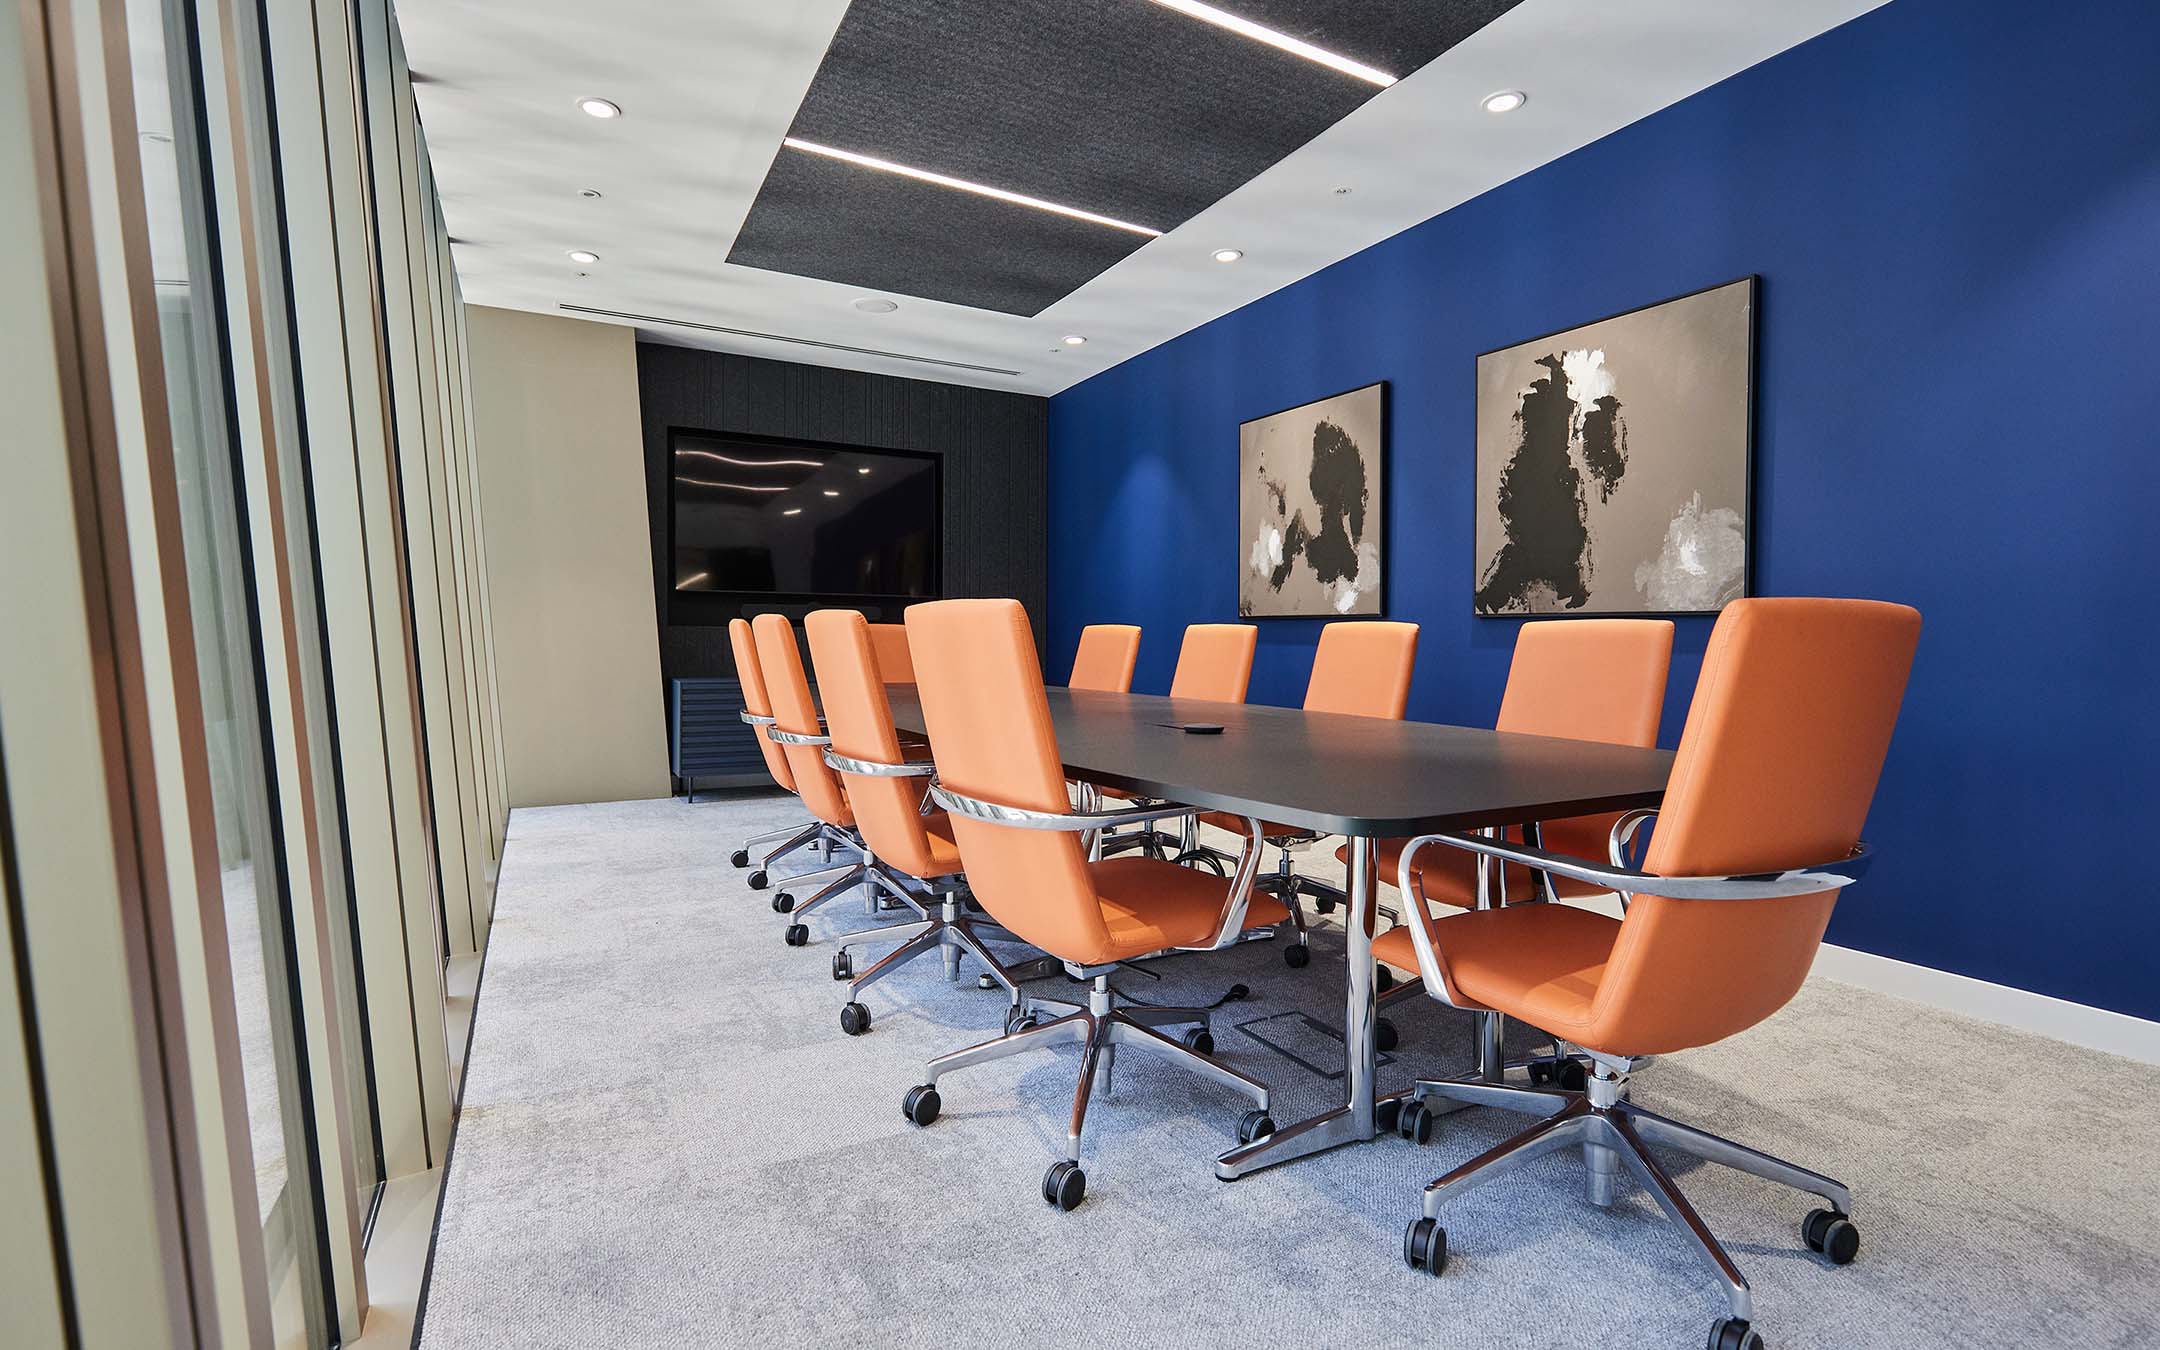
pixel 666 1141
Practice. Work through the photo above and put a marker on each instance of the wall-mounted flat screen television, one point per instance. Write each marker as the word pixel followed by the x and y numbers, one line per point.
pixel 754 516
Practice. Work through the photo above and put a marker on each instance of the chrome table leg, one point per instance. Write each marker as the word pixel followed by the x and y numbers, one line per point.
pixel 1352 1122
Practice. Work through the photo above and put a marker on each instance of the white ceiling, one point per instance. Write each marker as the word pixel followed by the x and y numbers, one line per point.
pixel 709 89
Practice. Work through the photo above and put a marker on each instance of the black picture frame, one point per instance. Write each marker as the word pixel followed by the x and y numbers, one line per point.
pixel 1753 281
pixel 1378 517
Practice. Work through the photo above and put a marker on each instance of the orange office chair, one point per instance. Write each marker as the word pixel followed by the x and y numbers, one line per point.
pixel 888 643
pixel 1759 830
pixel 888 794
pixel 1581 679
pixel 1105 660
pixel 796 728
pixel 1000 778
pixel 1362 669
pixel 1214 664
pixel 757 712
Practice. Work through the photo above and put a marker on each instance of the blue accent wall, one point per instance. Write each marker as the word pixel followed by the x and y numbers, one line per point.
pixel 1954 207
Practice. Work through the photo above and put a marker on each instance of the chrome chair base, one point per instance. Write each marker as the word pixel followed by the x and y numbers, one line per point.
pixel 1099 1029
pixel 823 839
pixel 1613 1134
pixel 949 932
pixel 1160 844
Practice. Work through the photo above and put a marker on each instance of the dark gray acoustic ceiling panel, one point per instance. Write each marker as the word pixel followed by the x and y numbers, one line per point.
pixel 1123 108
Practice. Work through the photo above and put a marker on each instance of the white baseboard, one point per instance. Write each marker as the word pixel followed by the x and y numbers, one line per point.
pixel 2094 1028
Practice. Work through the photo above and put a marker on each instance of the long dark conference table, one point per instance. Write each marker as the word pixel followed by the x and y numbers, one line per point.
pixel 1362 777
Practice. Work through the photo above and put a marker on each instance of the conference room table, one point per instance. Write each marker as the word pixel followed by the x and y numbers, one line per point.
pixel 1365 778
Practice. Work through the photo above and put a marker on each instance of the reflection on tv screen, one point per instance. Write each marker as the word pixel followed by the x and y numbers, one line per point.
pixel 758 516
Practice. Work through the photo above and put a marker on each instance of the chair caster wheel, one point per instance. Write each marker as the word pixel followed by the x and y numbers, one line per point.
pixel 1199 1040
pixel 1415 1122
pixel 739 858
pixel 1566 1074
pixel 1424 1246
pixel 782 903
pixel 1297 956
pixel 854 1018
pixel 842 967
pixel 759 881
pixel 1385 1037
pixel 1064 1186
pixel 1383 979
pixel 1386 1113
pixel 796 935
pixel 1832 1234
pixel 1730 1333
pixel 1323 904
pixel 1018 1020
pixel 1255 1124
pixel 921 1104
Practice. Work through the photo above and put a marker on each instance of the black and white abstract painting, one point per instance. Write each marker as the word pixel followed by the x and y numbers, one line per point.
pixel 1309 508
pixel 1612 462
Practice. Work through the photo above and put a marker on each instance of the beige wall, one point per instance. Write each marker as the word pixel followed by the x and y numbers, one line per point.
pixel 577 649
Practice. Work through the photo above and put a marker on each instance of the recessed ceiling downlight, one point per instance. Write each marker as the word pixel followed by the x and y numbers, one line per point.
pixel 1228 255
pixel 1074 339
pixel 873 304
pixel 599 107
pixel 1505 101
pixel 579 255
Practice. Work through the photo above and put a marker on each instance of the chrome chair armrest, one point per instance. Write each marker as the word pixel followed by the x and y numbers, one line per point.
pixel 877 768
pixel 1025 818
pixel 1797 881
pixel 796 738
pixel 1229 928
pixel 1622 838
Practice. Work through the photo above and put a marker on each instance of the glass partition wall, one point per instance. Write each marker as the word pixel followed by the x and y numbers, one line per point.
pixel 251 799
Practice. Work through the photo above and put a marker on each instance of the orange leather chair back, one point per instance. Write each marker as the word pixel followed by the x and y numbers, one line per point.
pixel 1587 680
pixel 788 687
pixel 982 701
pixel 888 811
pixel 1363 669
pixel 1784 742
pixel 752 675
pixel 1215 662
pixel 1106 657
pixel 888 641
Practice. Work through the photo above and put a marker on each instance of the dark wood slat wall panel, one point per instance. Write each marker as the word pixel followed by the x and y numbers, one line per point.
pixel 993 446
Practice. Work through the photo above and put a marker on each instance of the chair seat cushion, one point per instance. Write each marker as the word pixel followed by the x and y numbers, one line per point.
pixel 944 853
pixel 1149 904
pixel 1540 964
pixel 1449 874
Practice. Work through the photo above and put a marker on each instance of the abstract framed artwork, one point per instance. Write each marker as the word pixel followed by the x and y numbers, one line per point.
pixel 1310 508
pixel 1613 462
